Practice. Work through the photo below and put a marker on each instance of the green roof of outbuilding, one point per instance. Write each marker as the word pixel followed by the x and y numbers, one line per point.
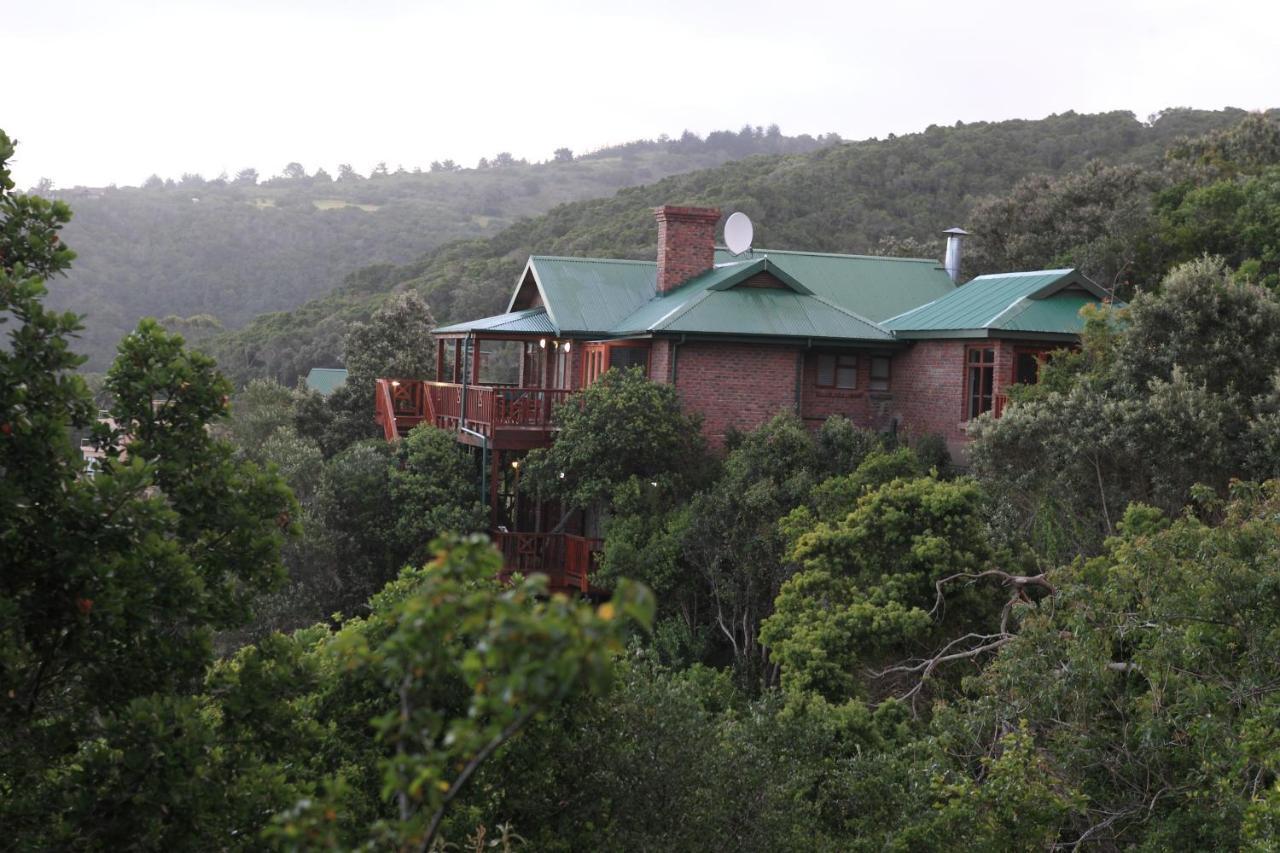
pixel 326 380
pixel 1044 302
pixel 532 321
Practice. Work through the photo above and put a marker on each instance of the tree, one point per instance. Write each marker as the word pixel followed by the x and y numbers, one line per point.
pixel 294 172
pixel 396 342
pixel 110 586
pixel 434 489
pixel 247 176
pixel 621 428
pixel 470 667
pixel 1172 630
pixel 563 155
pixel 733 541
pixel 867 584
pixel 347 173
pixel 262 408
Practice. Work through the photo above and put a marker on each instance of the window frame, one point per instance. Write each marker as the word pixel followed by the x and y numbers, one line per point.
pixel 597 355
pixel 887 379
pixel 836 368
pixel 990 368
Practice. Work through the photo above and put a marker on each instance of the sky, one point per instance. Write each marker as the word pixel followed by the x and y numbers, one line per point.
pixel 111 91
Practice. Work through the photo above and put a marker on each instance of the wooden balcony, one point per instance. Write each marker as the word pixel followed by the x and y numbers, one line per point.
pixel 568 561
pixel 510 417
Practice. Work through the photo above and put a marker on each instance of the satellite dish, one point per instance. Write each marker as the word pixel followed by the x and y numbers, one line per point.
pixel 738 232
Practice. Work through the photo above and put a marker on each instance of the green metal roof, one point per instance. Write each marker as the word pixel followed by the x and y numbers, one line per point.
pixel 533 321
pixel 815 295
pixel 326 380
pixel 713 304
pixel 873 287
pixel 1045 301
pixel 589 295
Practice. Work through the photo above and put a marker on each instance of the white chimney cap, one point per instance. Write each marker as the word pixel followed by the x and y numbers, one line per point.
pixel 959 232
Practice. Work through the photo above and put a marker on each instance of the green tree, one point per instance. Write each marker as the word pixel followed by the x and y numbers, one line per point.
pixel 1147 689
pixel 111 586
pixel 622 427
pixel 867 588
pixel 468 667
pixel 395 343
pixel 434 489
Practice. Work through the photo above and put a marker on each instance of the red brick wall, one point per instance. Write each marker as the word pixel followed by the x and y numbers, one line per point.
pixel 686 243
pixel 734 385
pixel 928 391
pixel 660 361
pixel 929 388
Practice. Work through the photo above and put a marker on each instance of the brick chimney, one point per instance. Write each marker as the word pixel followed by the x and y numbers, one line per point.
pixel 686 243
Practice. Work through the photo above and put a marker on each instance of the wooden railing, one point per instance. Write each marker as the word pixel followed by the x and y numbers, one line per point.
pixel 567 560
pixel 404 403
pixel 400 405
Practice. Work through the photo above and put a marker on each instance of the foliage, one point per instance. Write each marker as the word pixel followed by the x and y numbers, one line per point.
pixel 866 587
pixel 468 668
pixel 1150 690
pixel 396 342
pixel 433 489
pixel 110 585
pixel 621 428
pixel 257 411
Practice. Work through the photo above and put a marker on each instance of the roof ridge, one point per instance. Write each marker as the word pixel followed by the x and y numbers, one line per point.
pixel 680 310
pixel 591 260
pixel 1020 301
pixel 840 255
pixel 854 314
pixel 1058 272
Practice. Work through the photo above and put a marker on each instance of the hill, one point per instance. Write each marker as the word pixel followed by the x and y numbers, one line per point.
pixel 226 250
pixel 891 195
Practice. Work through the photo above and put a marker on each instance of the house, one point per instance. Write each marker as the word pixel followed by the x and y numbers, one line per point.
pixel 894 344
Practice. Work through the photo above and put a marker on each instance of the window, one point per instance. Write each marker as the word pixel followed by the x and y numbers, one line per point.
pixel 1027 364
pixel 837 371
pixel 980 369
pixel 879 373
pixel 625 357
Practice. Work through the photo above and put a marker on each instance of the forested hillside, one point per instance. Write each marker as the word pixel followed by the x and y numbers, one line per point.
pixel 891 195
pixel 224 250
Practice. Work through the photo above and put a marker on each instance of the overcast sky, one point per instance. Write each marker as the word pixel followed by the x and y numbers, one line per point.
pixel 103 91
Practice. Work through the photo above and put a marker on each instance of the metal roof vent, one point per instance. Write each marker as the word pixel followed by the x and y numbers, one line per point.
pixel 952 262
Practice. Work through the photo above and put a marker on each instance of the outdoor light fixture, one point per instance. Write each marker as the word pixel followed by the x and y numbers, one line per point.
pixel 567 345
pixel 515 464
pixel 542 342
pixel 561 475
pixel 395 383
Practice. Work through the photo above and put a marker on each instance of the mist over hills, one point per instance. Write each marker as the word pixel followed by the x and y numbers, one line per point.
pixel 889 196
pixel 212 254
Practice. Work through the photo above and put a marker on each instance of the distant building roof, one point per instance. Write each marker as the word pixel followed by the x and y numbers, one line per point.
pixel 326 380
pixel 1045 302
